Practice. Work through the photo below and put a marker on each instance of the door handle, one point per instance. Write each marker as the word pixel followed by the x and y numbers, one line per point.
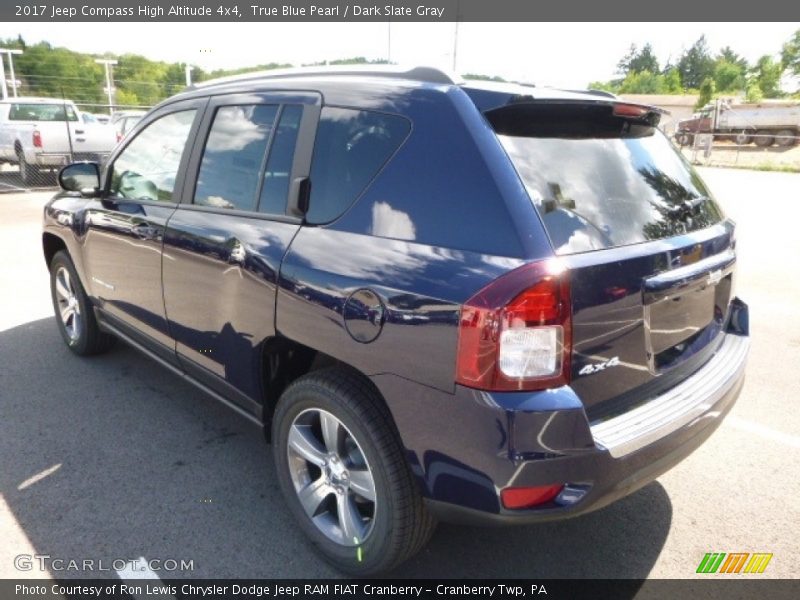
pixel 145 232
pixel 79 131
pixel 238 253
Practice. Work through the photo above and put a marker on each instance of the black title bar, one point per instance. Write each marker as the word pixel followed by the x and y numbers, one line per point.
pixel 397 10
pixel 422 589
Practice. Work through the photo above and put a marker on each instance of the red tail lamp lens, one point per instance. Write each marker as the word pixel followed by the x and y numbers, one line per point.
pixel 516 498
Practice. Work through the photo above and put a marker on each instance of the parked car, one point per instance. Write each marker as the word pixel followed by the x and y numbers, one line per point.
pixel 442 300
pixel 125 120
pixel 95 118
pixel 45 133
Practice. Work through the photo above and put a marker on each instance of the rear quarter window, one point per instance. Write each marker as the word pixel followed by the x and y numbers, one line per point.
pixel 350 148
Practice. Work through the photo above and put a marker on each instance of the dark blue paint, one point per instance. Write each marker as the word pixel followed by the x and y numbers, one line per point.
pixel 445 216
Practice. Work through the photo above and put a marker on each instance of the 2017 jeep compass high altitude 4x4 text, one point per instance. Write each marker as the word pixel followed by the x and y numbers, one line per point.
pixel 443 300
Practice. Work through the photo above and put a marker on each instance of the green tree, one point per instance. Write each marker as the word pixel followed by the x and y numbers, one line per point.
pixel 707 92
pixel 754 93
pixel 728 55
pixel 643 82
pixel 767 73
pixel 672 81
pixel 790 54
pixel 638 61
pixel 696 64
pixel 480 77
pixel 729 76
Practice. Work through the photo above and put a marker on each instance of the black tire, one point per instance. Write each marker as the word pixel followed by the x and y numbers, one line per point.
pixel 400 524
pixel 684 139
pixel 764 138
pixel 79 330
pixel 27 173
pixel 785 138
pixel 742 138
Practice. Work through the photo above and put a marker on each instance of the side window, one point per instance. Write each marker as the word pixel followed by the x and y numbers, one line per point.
pixel 146 169
pixel 350 148
pixel 234 155
pixel 279 165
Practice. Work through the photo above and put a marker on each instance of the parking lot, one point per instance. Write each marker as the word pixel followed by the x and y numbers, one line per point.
pixel 113 457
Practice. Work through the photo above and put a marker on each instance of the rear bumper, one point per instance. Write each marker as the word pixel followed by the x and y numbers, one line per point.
pixel 514 440
pixel 61 159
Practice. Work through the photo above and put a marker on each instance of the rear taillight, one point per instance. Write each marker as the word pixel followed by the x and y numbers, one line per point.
pixel 515 334
pixel 37 139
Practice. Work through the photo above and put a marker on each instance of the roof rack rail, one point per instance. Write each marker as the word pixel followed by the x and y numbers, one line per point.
pixel 423 74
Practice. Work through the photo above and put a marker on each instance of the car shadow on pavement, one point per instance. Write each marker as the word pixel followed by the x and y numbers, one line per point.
pixel 113 457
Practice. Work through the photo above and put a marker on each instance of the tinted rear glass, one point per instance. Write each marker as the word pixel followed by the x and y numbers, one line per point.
pixel 41 112
pixel 600 181
pixel 350 148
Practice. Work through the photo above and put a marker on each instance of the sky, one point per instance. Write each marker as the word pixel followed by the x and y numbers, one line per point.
pixel 567 55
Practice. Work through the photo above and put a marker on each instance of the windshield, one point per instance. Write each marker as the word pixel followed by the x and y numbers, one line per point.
pixel 602 184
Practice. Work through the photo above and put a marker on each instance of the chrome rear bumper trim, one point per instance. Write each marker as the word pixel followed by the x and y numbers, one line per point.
pixel 677 407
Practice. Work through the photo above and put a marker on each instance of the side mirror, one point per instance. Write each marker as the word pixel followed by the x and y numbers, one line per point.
pixel 83 177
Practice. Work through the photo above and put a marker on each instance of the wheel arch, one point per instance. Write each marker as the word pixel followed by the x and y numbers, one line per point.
pixel 51 244
pixel 283 361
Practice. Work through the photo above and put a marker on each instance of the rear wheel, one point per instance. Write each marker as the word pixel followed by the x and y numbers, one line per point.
pixel 74 314
pixel 26 172
pixel 342 470
pixel 764 138
pixel 786 138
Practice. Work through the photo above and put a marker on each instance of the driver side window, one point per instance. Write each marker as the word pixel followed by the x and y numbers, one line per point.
pixel 147 168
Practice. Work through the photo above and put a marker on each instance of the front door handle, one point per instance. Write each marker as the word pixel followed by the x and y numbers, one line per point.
pixel 145 231
pixel 238 253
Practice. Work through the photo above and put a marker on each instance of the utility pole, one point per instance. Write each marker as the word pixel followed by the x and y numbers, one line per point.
pixel 455 45
pixel 188 69
pixel 109 89
pixel 10 52
pixel 389 43
pixel 3 87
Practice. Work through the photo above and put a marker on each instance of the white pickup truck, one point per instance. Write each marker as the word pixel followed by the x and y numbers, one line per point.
pixel 46 133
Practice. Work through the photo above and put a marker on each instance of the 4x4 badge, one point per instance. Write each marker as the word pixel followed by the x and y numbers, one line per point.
pixel 589 369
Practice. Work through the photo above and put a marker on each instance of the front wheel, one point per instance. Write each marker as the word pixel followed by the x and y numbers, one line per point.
pixel 74 314
pixel 342 470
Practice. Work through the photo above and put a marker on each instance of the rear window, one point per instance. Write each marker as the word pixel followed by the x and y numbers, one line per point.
pixel 41 112
pixel 601 181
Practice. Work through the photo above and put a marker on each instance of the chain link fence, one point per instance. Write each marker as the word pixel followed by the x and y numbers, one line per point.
pixel 39 147
pixel 760 151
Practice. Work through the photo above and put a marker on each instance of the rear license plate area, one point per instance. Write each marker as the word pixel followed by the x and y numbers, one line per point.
pixel 678 323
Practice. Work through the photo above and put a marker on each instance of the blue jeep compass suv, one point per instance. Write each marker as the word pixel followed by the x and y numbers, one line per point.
pixel 444 300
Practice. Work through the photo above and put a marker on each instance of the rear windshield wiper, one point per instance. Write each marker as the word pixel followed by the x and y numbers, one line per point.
pixel 686 207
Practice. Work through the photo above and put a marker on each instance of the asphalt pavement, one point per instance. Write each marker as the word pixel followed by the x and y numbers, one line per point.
pixel 114 458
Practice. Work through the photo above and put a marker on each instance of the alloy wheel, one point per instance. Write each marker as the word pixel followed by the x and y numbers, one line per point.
pixel 69 308
pixel 331 476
